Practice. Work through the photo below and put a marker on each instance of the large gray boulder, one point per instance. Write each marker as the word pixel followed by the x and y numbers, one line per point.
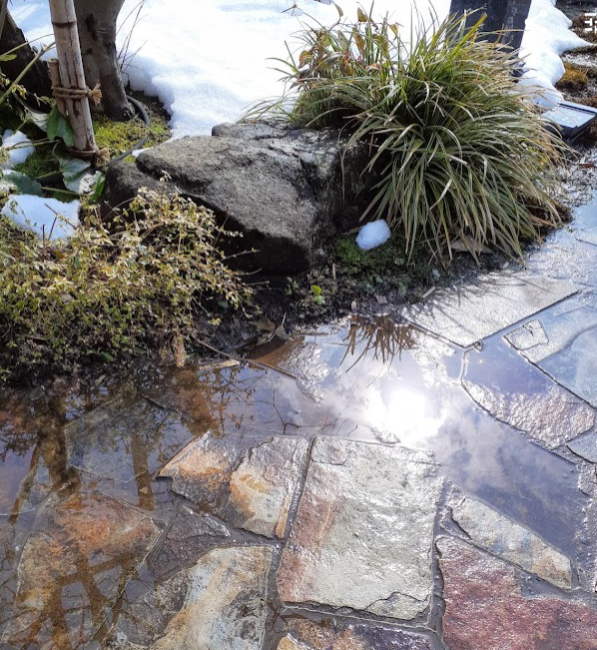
pixel 282 187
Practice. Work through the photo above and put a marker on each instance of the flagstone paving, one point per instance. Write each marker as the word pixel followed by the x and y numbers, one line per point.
pixel 468 313
pixel 387 490
pixel 363 533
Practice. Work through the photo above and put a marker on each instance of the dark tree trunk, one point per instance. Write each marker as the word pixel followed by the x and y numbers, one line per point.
pixel 97 32
pixel 37 80
pixel 501 15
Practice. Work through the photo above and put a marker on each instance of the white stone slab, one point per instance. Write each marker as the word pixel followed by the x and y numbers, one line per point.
pixel 470 312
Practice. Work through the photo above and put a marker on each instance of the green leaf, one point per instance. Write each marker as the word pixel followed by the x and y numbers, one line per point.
pixel 38 118
pixel 58 127
pixel 20 183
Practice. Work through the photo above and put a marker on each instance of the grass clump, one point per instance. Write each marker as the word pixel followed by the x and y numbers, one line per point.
pixel 455 143
pixel 111 290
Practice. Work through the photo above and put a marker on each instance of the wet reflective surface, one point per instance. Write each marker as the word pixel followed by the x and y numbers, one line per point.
pixel 82 508
pixel 330 492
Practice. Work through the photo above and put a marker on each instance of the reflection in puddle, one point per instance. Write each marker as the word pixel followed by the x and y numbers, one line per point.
pixel 74 458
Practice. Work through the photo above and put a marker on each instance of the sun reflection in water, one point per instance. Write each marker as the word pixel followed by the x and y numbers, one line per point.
pixel 401 415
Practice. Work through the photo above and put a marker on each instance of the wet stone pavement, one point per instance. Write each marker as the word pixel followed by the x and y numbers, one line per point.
pixel 425 484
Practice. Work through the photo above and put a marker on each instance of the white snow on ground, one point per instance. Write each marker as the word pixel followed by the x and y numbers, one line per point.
pixel 19 148
pixel 208 61
pixel 546 37
pixel 46 217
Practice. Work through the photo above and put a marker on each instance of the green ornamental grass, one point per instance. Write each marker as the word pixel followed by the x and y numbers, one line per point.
pixel 457 149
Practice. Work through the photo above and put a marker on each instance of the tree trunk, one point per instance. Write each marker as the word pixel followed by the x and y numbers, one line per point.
pixel 37 80
pixel 97 32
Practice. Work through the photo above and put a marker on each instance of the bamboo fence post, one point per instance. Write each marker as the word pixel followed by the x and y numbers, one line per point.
pixel 71 92
pixel 54 67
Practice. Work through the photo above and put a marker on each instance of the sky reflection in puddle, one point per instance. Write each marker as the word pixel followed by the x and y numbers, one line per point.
pixel 367 380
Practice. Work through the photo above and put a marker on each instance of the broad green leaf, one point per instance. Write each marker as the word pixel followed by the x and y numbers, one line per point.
pixel 58 127
pixel 20 183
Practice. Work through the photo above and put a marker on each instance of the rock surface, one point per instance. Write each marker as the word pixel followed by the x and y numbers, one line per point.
pixel 280 186
pixel 527 336
pixel 585 447
pixel 221 603
pixel 309 635
pixel 363 534
pixel 250 488
pixel 186 539
pixel 470 312
pixel 485 608
pixel 518 393
pixel 500 536
pixel 90 546
pixel 567 353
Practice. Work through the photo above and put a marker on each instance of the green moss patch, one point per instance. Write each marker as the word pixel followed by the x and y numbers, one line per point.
pixel 575 78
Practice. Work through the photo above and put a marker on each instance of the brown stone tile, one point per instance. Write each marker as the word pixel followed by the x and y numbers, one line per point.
pixel 248 485
pixel 485 608
pixel 73 567
pixel 373 636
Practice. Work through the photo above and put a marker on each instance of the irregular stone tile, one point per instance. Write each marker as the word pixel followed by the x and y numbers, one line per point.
pixel 363 533
pixel 218 603
pixel 516 392
pixel 188 537
pixel 568 355
pixel 73 567
pixel 469 312
pixel 501 536
pixel 585 447
pixel 309 635
pixel 527 336
pixel 250 488
pixel 8 553
pixel 125 439
pixel 288 643
pixel 486 609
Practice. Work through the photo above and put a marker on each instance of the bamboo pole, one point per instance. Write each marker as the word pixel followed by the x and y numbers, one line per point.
pixel 72 90
pixel 54 67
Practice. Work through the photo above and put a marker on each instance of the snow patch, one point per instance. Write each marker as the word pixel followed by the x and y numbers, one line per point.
pixel 209 61
pixel 19 148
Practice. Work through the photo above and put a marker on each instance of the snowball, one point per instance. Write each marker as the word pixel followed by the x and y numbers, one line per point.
pixel 372 235
pixel 43 216
pixel 19 148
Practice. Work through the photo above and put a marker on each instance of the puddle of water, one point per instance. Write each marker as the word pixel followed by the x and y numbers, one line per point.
pixel 373 381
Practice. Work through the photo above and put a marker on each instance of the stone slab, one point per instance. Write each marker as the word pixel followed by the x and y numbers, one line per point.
pixel 470 312
pixel 73 567
pixel 186 539
pixel 585 447
pixel 485 607
pixel 220 602
pixel 326 635
pixel 362 537
pixel 124 439
pixel 249 487
pixel 501 536
pixel 569 353
pixel 514 391
pixel 527 336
